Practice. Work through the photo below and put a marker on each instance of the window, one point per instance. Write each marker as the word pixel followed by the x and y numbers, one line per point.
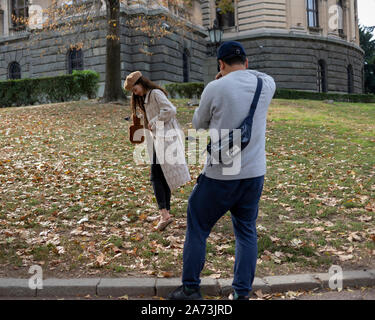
pixel 186 65
pixel 312 14
pixel 177 7
pixel 20 12
pixel 14 70
pixel 350 79
pixel 340 13
pixel 75 60
pixel 322 76
pixel 225 14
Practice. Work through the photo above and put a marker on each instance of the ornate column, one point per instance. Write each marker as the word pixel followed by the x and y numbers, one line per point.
pixel 6 17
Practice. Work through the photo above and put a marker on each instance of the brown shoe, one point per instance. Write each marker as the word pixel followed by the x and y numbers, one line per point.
pixel 163 224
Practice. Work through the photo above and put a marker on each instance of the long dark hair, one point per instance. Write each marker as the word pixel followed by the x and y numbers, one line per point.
pixel 139 101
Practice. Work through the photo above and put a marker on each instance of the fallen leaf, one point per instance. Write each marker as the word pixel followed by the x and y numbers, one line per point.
pixel 116 249
pixel 100 260
pixel 167 274
pixel 279 254
pixel 354 237
pixel 318 229
pixel 84 219
pixel 77 231
pixel 365 218
pixel 345 257
pixel 329 224
pixel 370 207
pixel 60 249
pixel 296 243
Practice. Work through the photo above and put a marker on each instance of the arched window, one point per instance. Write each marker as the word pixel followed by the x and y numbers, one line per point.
pixel 186 65
pixel 14 70
pixel 75 60
pixel 349 70
pixel 312 13
pixel 322 76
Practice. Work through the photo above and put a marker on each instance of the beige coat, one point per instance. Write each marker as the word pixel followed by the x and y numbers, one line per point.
pixel 167 138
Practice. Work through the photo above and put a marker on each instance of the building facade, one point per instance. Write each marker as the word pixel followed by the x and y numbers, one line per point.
pixel 308 45
pixel 173 58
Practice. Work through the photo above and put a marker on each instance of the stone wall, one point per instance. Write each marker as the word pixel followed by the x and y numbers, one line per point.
pixel 15 49
pixel 161 60
pixel 293 61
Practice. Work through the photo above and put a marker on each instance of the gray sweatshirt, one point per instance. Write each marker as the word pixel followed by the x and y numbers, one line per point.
pixel 224 104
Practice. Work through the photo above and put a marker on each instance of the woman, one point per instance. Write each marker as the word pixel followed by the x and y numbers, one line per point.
pixel 159 116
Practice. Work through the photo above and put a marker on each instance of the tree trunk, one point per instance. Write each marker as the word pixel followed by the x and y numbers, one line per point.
pixel 113 90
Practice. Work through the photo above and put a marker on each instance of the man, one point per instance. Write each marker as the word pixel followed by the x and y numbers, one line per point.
pixel 224 104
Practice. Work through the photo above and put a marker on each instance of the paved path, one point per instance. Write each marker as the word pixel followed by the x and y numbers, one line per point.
pixel 141 288
pixel 347 294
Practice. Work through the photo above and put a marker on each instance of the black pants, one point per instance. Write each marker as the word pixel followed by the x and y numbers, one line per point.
pixel 160 185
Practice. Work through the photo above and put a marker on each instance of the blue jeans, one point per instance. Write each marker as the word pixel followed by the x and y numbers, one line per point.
pixel 208 202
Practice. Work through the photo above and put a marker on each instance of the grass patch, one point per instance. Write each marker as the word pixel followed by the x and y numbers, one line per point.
pixel 65 162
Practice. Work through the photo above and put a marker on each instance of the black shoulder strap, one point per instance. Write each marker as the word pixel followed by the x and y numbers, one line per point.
pixel 256 98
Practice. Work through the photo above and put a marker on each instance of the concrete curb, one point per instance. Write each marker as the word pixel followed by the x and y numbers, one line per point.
pixel 149 287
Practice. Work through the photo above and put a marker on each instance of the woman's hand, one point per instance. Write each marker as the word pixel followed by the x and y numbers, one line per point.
pixel 149 127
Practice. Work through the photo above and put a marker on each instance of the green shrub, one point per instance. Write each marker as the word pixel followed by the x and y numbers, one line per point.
pixel 294 94
pixel 87 81
pixel 49 89
pixel 188 90
pixel 194 90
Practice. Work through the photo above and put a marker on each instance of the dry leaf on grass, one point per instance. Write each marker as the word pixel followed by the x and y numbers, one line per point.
pixel 100 260
pixel 345 257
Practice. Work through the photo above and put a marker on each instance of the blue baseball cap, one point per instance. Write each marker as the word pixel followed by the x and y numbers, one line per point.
pixel 230 49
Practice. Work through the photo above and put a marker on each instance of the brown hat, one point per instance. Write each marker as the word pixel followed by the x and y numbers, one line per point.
pixel 131 79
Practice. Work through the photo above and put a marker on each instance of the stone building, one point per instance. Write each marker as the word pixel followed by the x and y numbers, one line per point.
pixel 308 45
pixel 174 58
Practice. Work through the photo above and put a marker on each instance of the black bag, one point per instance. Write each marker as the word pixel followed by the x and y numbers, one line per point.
pixel 228 147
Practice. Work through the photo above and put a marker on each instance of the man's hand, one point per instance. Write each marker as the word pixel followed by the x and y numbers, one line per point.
pixel 218 76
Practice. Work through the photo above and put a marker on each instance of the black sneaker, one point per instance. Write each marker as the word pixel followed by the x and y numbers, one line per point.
pixel 235 296
pixel 185 293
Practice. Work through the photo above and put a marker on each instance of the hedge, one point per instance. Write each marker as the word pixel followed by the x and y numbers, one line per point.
pixel 188 90
pixel 194 90
pixel 294 94
pixel 61 88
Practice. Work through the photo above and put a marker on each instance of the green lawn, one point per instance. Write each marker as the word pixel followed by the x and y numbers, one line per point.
pixel 66 162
